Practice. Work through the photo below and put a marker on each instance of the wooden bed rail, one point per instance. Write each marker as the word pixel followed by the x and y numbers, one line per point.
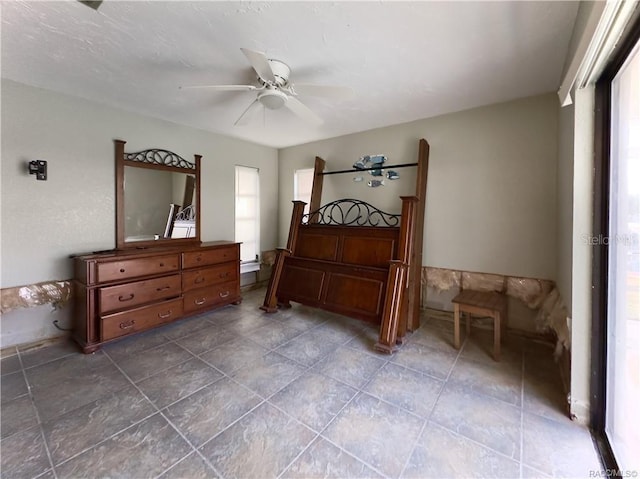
pixel 270 304
pixel 393 325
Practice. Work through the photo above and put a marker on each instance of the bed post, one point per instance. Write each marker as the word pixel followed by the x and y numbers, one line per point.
pixel 394 299
pixel 316 188
pixel 270 304
pixel 406 246
pixel 296 221
pixel 415 269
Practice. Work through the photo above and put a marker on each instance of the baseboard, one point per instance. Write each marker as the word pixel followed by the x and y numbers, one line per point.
pixel 257 285
pixel 26 347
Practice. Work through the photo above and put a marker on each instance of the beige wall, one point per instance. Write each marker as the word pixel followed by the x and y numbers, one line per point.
pixel 565 204
pixel 43 222
pixel 575 212
pixel 581 281
pixel 491 200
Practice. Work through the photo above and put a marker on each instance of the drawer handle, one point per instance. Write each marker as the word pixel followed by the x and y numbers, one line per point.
pixel 224 275
pixel 200 302
pixel 199 279
pixel 224 295
pixel 164 288
pixel 199 258
pixel 127 324
pixel 122 270
pixel 165 315
pixel 126 298
pixel 162 265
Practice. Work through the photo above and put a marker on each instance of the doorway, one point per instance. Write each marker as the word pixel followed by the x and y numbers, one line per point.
pixel 616 358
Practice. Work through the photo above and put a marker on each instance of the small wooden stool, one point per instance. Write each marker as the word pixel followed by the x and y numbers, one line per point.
pixel 493 305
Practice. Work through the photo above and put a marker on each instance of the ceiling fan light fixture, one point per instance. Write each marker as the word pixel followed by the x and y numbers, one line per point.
pixel 280 71
pixel 272 99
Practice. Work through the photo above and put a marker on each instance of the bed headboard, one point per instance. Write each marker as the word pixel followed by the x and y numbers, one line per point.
pixel 354 259
pixel 351 212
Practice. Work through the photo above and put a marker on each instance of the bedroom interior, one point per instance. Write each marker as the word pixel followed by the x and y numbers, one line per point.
pixel 206 366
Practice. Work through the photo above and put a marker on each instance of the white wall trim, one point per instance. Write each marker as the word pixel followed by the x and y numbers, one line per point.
pixel 601 35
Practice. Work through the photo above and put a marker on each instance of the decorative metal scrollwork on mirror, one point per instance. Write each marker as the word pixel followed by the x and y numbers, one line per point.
pixel 157 198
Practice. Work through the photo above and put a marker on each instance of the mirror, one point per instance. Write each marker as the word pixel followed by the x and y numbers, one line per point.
pixel 157 198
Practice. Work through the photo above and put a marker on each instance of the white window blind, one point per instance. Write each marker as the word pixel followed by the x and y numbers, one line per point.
pixel 248 212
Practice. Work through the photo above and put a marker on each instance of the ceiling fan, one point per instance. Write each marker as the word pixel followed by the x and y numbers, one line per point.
pixel 95 4
pixel 274 90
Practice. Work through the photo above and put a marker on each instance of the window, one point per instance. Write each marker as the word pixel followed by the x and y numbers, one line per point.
pixel 616 260
pixel 248 212
pixel 302 184
pixel 623 316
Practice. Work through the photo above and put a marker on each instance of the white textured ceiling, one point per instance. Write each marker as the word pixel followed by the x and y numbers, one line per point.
pixel 405 60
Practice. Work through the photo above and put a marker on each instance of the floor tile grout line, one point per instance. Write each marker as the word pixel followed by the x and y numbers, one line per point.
pixel 232 423
pixel 484 394
pixel 49 361
pixel 231 377
pixel 417 416
pixel 477 443
pixel 159 370
pixel 286 468
pixel 362 390
pixel 112 435
pixel 359 392
pixel 306 369
pixel 102 441
pixel 159 411
pixel 319 433
pixel 435 404
pixel 484 446
pixel 324 438
pixel 263 400
pixel 431 376
pixel 456 433
pixel 37 414
pixel 175 464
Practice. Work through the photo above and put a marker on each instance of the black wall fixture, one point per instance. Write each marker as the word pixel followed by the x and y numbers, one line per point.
pixel 38 168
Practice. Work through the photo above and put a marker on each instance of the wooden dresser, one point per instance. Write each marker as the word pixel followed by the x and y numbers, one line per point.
pixel 128 291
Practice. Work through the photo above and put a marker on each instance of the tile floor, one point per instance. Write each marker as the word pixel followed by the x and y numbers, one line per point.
pixel 299 394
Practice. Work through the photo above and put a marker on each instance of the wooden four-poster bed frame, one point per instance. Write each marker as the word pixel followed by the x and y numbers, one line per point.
pixel 353 259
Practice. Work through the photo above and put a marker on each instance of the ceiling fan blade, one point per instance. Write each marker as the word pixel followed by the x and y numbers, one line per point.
pixel 95 4
pixel 260 64
pixel 221 87
pixel 328 91
pixel 248 114
pixel 302 111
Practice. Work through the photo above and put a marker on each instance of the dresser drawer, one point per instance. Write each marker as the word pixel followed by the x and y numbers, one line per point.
pixel 114 298
pixel 206 297
pixel 194 259
pixel 132 268
pixel 139 319
pixel 200 278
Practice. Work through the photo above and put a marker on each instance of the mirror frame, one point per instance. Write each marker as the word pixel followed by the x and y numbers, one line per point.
pixel 158 160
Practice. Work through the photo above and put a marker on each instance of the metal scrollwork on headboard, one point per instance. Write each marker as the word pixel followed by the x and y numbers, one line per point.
pixel 159 157
pixel 187 214
pixel 350 212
